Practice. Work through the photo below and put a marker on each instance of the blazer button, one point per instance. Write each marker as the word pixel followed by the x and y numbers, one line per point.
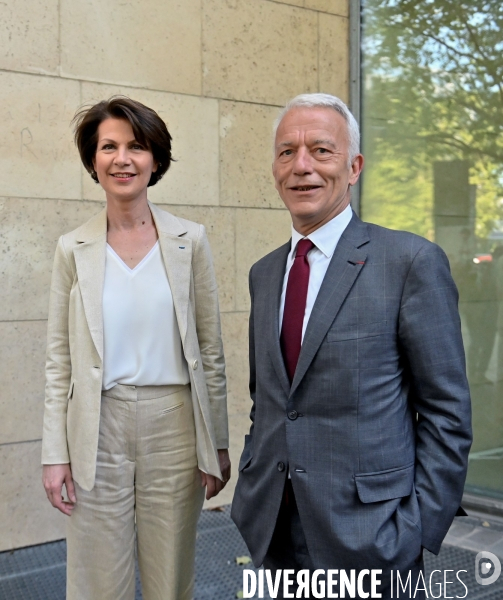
pixel 195 364
pixel 292 415
pixel 281 466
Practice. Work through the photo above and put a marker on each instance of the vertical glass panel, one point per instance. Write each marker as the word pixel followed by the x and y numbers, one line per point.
pixel 432 121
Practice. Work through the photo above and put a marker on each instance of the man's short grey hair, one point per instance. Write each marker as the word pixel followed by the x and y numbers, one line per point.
pixel 325 101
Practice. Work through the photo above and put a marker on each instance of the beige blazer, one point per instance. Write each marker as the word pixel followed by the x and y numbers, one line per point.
pixel 74 367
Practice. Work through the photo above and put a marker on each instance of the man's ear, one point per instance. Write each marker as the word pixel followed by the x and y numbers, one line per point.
pixel 356 169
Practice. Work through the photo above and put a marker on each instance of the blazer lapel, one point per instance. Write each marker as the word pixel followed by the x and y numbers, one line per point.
pixel 347 262
pixel 274 287
pixel 177 256
pixel 90 264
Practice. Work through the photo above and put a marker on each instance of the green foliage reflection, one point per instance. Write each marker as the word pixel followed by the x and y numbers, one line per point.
pixel 432 90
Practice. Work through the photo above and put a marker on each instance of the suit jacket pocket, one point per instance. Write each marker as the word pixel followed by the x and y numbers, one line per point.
pixel 247 455
pixel 385 485
pixel 356 331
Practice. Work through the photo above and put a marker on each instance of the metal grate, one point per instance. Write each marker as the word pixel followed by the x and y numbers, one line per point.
pixel 456 559
pixel 38 572
pixel 218 576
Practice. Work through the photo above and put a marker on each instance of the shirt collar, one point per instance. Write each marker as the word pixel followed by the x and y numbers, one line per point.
pixel 327 236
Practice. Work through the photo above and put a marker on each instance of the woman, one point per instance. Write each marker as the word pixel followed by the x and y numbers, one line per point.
pixel 135 422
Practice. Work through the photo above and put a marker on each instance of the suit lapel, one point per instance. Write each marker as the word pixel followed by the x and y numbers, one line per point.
pixel 90 264
pixel 177 256
pixel 274 288
pixel 343 270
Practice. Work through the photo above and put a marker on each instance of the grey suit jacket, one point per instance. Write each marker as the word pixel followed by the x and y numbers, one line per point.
pixel 74 367
pixel 375 427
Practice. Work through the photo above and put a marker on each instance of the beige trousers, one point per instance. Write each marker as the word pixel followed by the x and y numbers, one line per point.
pixel 146 470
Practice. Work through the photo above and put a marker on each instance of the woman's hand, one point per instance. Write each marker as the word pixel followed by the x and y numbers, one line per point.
pixel 53 478
pixel 214 485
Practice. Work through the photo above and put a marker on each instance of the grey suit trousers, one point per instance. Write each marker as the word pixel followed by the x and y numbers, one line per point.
pixel 288 550
pixel 146 472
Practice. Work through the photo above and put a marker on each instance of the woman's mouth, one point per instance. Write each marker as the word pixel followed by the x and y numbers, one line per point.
pixel 123 176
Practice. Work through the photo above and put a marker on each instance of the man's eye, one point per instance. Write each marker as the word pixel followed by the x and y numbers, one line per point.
pixel 286 153
pixel 321 150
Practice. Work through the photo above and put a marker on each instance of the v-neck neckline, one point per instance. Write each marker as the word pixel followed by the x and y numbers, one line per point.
pixel 142 262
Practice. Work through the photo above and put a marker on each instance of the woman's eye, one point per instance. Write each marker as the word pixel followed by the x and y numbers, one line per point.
pixel 137 147
pixel 107 147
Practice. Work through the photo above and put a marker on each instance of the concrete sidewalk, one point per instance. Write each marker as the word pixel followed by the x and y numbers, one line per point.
pixel 38 572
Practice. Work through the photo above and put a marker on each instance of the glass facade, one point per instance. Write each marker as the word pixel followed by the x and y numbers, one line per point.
pixel 432 133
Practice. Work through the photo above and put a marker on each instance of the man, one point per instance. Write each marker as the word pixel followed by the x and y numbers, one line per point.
pixel 357 452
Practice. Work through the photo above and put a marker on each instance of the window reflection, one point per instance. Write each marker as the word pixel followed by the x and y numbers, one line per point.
pixel 432 121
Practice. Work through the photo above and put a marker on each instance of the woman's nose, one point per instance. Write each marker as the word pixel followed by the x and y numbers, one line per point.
pixel 122 156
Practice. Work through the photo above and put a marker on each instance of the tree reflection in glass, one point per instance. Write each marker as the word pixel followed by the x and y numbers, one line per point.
pixel 432 120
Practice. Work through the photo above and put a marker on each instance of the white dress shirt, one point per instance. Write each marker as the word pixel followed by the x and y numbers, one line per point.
pixel 325 240
pixel 142 343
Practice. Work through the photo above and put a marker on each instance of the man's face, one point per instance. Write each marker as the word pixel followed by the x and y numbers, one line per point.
pixel 311 166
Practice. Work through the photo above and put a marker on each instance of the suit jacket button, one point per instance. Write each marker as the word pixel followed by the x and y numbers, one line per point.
pixel 292 415
pixel 281 466
pixel 194 365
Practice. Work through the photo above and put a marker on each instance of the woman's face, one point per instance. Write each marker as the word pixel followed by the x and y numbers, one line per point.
pixel 122 164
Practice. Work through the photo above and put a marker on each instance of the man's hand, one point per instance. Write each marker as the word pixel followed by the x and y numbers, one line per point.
pixel 53 478
pixel 214 485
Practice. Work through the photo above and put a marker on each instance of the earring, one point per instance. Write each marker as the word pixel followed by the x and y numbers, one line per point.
pixel 93 174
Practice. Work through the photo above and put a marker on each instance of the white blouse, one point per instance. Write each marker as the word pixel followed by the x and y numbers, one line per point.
pixel 142 344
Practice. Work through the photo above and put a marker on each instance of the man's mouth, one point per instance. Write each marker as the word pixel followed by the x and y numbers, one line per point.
pixel 305 188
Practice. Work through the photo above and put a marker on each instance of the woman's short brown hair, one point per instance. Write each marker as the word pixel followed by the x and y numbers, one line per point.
pixel 148 128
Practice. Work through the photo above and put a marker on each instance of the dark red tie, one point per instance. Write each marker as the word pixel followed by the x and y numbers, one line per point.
pixel 295 307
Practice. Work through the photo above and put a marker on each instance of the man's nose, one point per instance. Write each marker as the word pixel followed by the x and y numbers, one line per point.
pixel 302 163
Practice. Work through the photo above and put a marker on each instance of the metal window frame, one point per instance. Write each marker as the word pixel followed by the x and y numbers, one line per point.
pixel 355 81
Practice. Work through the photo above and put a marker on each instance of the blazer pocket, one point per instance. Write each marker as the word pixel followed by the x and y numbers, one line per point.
pixel 385 485
pixel 356 331
pixel 247 455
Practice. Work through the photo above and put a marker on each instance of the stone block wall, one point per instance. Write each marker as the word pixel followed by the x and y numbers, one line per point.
pixel 216 71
